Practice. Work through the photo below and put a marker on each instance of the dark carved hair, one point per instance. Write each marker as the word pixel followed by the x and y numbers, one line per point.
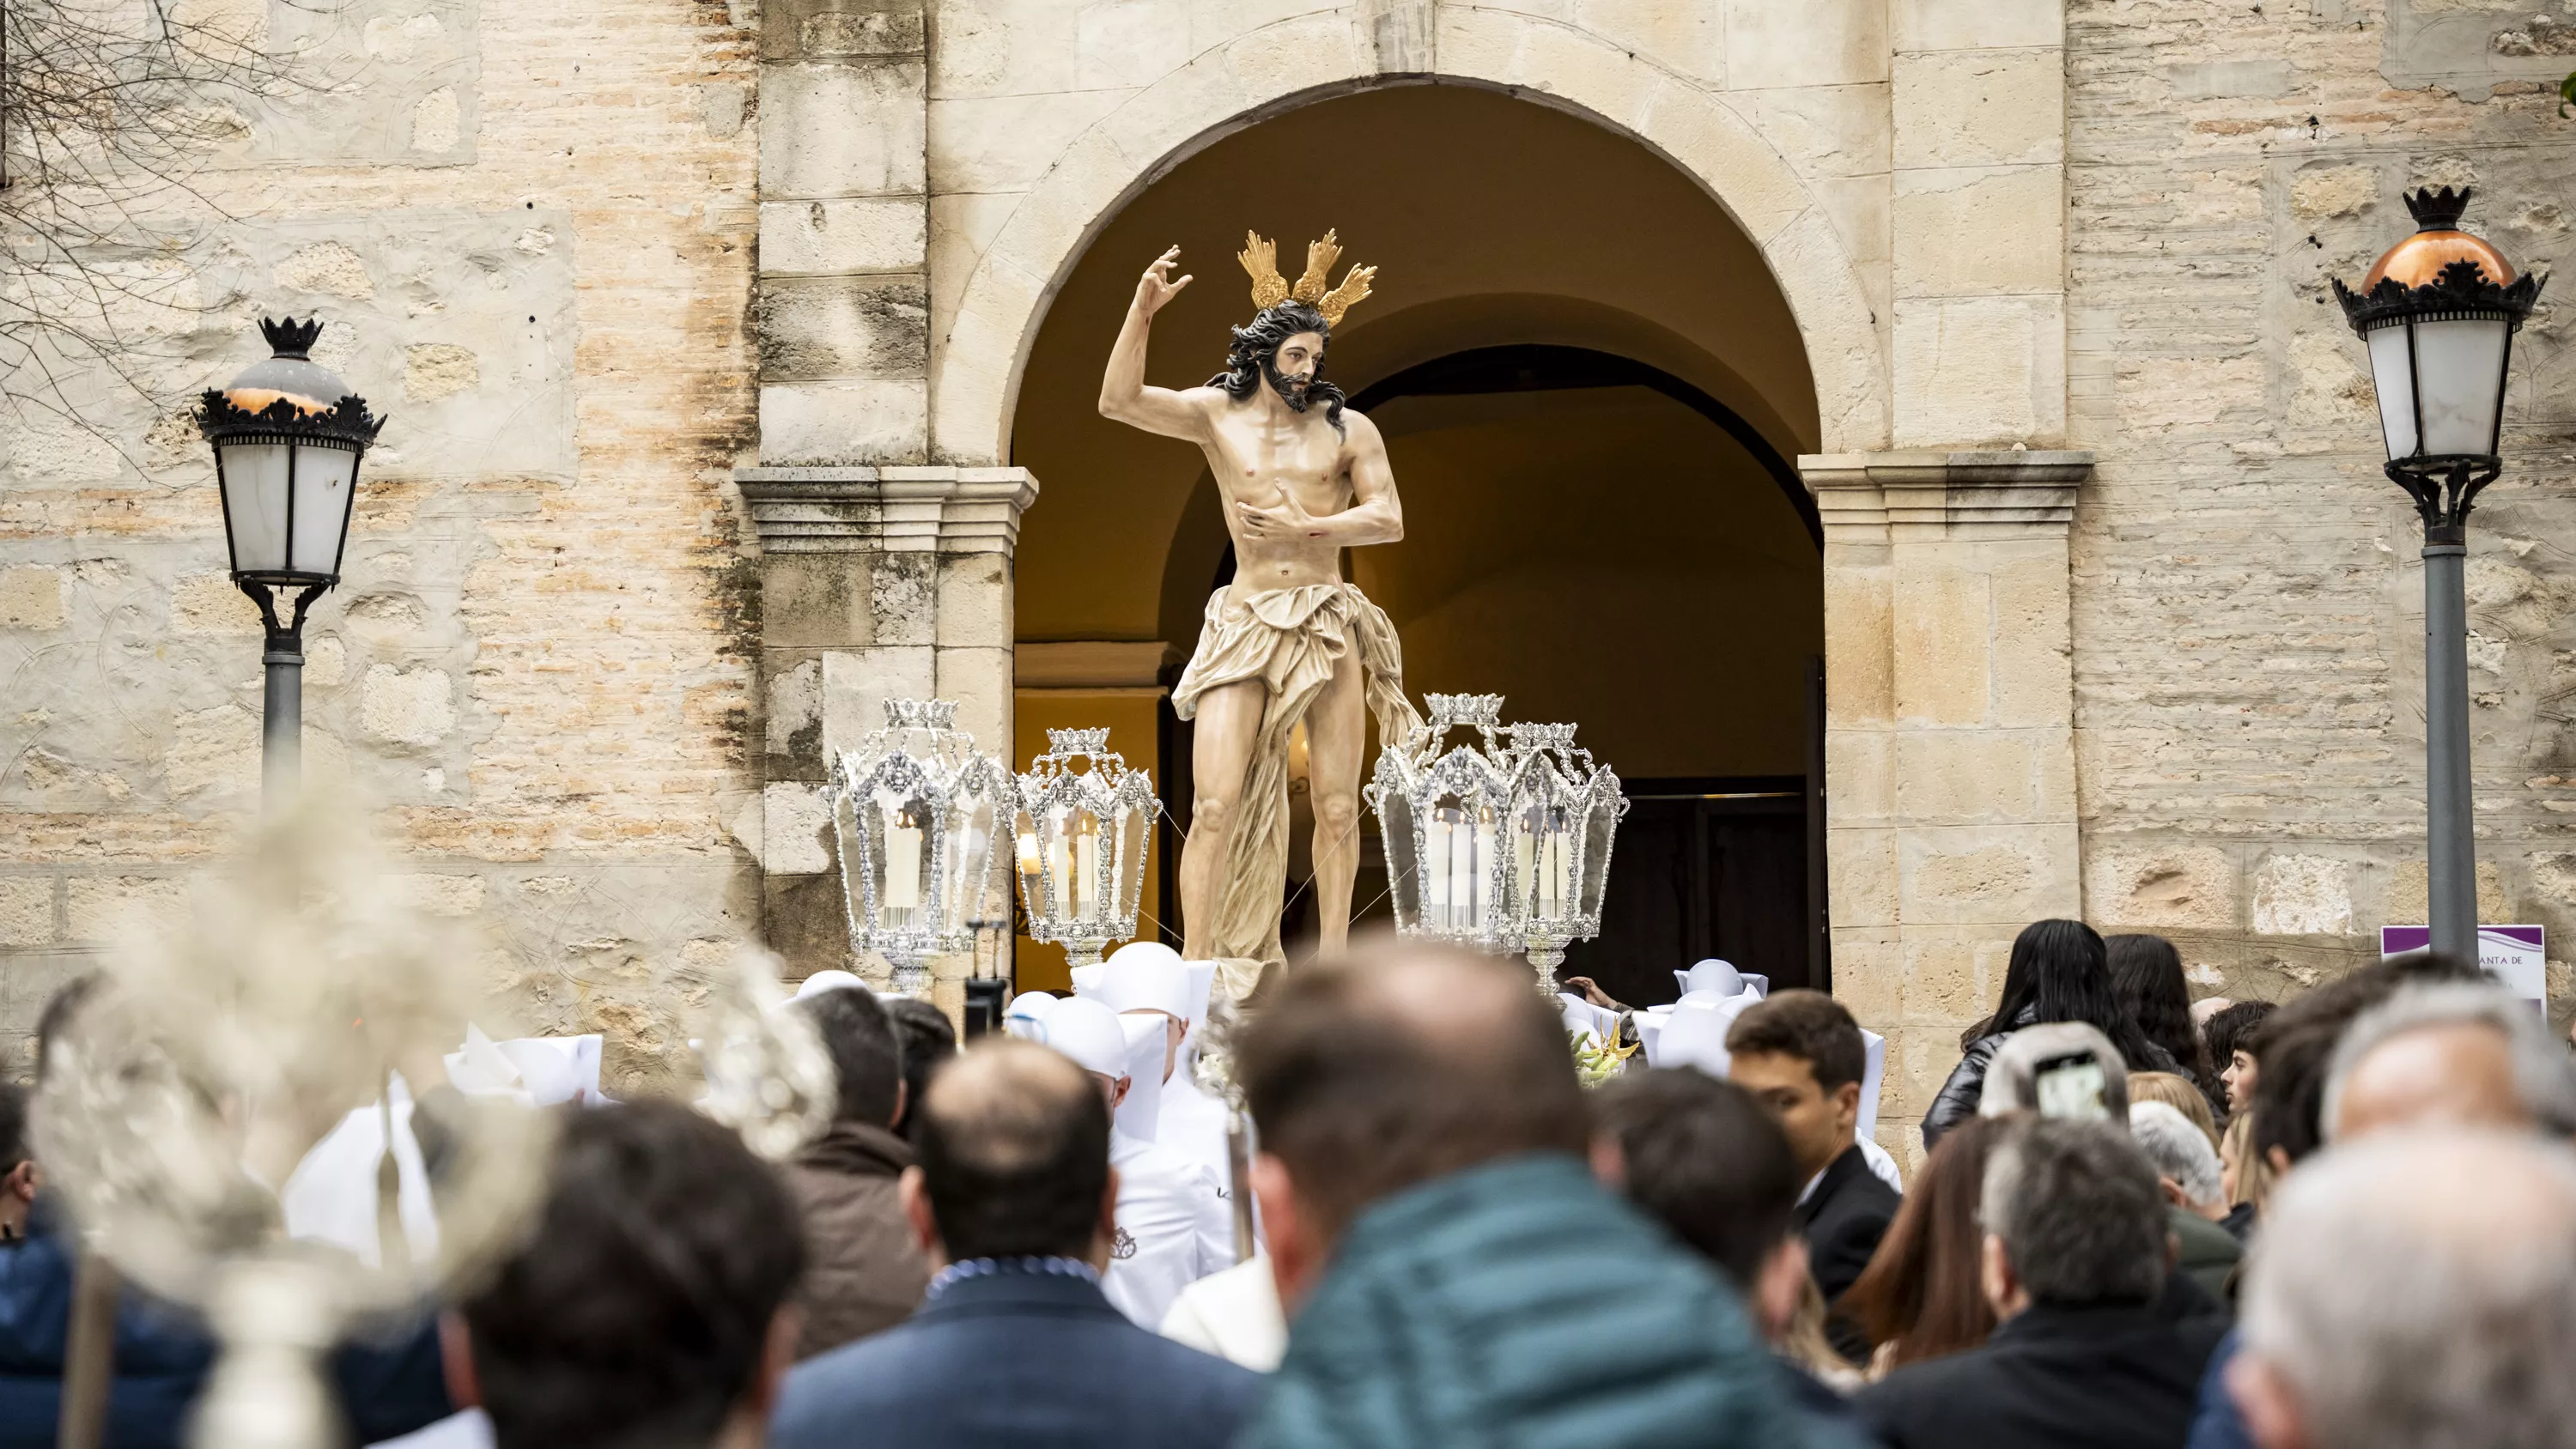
pixel 636 1314
pixel 1013 1141
pixel 1707 1160
pixel 1256 347
pixel 1807 1025
pixel 859 1036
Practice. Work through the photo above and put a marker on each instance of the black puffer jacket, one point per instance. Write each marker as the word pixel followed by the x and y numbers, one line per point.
pixel 1960 1095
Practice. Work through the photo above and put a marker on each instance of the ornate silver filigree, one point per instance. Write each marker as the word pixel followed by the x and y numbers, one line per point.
pixel 1080 842
pixel 915 808
pixel 1502 845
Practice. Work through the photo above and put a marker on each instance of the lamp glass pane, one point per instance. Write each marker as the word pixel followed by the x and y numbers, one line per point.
pixel 322 495
pixel 2460 366
pixel 2392 373
pixel 255 504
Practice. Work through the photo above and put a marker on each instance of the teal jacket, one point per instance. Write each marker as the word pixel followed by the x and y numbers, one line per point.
pixel 1517 1303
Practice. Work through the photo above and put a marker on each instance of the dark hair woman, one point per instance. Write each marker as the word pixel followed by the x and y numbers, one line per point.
pixel 2147 972
pixel 1921 1295
pixel 2059 971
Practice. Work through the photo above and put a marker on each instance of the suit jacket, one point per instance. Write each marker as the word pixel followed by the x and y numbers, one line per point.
pixel 2103 1377
pixel 1008 1360
pixel 1843 1219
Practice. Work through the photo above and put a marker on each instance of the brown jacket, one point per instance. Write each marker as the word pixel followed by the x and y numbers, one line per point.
pixel 863 1272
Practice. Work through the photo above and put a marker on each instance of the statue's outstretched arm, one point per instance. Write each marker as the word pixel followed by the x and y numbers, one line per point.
pixel 1123 393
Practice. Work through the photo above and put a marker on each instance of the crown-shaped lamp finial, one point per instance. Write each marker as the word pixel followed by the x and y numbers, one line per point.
pixel 290 338
pixel 2438 210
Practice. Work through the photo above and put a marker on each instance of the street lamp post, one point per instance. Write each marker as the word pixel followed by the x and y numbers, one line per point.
pixel 2438 313
pixel 288 435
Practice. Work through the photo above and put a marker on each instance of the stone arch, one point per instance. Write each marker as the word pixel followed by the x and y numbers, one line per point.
pixel 977 366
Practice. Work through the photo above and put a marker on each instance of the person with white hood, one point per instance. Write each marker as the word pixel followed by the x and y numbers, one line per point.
pixel 1149 980
pixel 1174 1226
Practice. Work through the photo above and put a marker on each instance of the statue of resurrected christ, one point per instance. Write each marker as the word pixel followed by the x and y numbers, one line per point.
pixel 1303 478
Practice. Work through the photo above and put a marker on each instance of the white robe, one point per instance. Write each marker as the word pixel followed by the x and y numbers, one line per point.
pixel 1234 1315
pixel 1193 1124
pixel 1174 1228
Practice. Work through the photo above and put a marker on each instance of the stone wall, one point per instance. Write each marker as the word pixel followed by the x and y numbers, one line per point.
pixel 530 231
pixel 2248 637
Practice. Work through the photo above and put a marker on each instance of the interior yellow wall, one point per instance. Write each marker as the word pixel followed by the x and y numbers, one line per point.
pixel 1129 715
pixel 1606 556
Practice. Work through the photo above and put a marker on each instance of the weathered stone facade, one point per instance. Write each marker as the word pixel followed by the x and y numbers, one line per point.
pixel 704 332
pixel 531 233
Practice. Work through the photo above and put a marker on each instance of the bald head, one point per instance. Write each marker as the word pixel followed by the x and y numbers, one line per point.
pixel 2413 1289
pixel 1014 1153
pixel 2467 1055
pixel 1402 1064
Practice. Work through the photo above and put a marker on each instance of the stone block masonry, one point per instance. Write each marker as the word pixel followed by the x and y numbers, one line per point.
pixel 531 232
pixel 2248 635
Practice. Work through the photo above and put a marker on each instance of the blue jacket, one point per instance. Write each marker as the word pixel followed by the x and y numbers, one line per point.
pixel 163 1357
pixel 1517 1303
pixel 1012 1360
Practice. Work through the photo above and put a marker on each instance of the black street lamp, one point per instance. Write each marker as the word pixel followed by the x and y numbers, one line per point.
pixel 2438 313
pixel 287 435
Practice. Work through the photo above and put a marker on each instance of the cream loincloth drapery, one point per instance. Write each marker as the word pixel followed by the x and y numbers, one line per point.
pixel 1291 640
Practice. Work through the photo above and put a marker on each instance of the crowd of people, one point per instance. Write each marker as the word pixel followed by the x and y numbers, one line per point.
pixel 2343 1221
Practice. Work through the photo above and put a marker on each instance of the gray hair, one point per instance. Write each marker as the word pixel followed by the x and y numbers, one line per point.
pixel 2078 1209
pixel 2417 1290
pixel 2177 1148
pixel 2012 1078
pixel 2542 1076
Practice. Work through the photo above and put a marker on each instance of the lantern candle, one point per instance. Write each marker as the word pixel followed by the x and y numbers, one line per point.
pixel 1086 871
pixel 1434 870
pixel 903 864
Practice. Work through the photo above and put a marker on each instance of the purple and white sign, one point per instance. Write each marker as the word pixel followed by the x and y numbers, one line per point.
pixel 2518 955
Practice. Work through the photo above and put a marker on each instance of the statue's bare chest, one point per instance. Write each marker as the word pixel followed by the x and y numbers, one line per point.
pixel 1252 458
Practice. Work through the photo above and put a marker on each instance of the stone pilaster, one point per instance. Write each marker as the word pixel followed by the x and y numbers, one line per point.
pixel 876 583
pixel 843 304
pixel 1949 738
pixel 1977 222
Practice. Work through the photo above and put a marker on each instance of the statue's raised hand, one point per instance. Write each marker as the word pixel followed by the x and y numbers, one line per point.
pixel 1157 287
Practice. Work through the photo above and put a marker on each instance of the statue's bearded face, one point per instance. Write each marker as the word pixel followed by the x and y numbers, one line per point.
pixel 1291 370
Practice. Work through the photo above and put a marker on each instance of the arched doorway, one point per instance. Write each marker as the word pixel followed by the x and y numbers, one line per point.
pixel 1590 384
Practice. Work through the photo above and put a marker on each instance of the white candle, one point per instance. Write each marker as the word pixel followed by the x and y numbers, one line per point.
pixel 1524 863
pixel 903 865
pixel 1027 850
pixel 1484 866
pixel 1462 875
pixel 1086 878
pixel 1060 871
pixel 1558 876
pixel 1434 871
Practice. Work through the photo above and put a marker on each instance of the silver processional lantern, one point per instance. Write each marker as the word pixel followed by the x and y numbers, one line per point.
pixel 1564 815
pixel 1443 811
pixel 914 808
pixel 1502 845
pixel 1079 840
